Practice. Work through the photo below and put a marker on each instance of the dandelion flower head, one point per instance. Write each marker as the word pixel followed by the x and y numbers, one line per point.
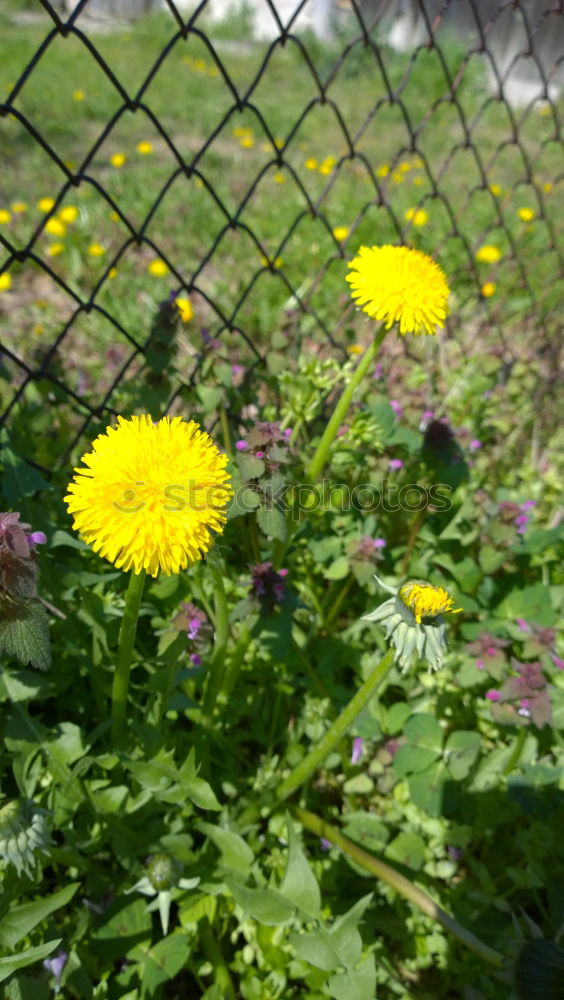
pixel 426 601
pixel 399 285
pixel 151 494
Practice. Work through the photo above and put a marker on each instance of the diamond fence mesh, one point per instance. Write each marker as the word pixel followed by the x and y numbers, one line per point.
pixel 239 163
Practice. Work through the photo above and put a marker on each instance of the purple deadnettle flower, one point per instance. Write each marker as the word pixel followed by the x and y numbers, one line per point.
pixel 36 538
pixel 379 543
pixel 493 695
pixel 523 624
pixel 288 433
pixel 396 407
pixel 378 369
pixel 427 415
pixel 395 464
pixel 528 505
pixel 558 662
pixel 196 659
pixel 241 445
pixel 56 965
pixel 325 844
pixel 259 454
pixel 357 746
pixel 475 444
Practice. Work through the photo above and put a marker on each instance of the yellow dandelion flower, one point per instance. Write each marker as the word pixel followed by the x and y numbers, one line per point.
pixel 488 254
pixel 157 268
pixel 5 281
pixel 417 216
pixel 278 177
pixel 311 163
pixel 241 131
pixel 341 232
pixel 426 601
pixel 326 167
pixel 151 495
pixel 38 329
pixel 114 216
pixel 265 147
pixel 45 204
pixel 544 109
pixel 96 250
pixel 488 289
pixel 54 249
pixel 526 214
pixel 276 261
pixel 404 166
pixel 69 213
pixel 418 181
pixel 547 188
pixel 118 159
pixel 399 285
pixel 185 309
pixel 55 227
pixel 355 349
pixel 78 95
pixel 247 142
pixel 18 207
pixel 144 148
pixel 495 190
pixel 5 216
pixel 383 170
pixel 279 143
pixel 112 272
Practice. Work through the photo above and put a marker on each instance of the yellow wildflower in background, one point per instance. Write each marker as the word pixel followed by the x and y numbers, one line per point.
pixel 404 166
pixel 341 232
pixel 158 268
pixel 54 249
pixel 78 95
pixel 278 177
pixel 399 285
pixel 5 216
pixel 495 190
pixel 247 142
pixel 118 159
pixel 526 214
pixel 112 272
pixel 45 204
pixel 151 494
pixel 18 207
pixel 276 262
pixel 327 166
pixel 241 131
pixel 488 254
pixel 383 170
pixel 96 250
pixel 55 227
pixel 69 213
pixel 355 349
pixel 144 148
pixel 418 216
pixel 547 188
pixel 311 163
pixel 5 281
pixel 185 310
pixel 488 289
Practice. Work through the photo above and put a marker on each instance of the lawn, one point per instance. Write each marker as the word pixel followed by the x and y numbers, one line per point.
pixel 237 818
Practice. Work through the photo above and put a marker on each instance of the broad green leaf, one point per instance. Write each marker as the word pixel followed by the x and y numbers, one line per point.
pixel 25 988
pixel 124 927
pixel 532 603
pixel 24 634
pixel 265 905
pixel 235 853
pixel 345 935
pixel 424 731
pixel 461 750
pixel 317 949
pixel 355 984
pixel 408 849
pixel 271 520
pixel 67 745
pixel 162 961
pixel 366 829
pixel 11 963
pixel 201 793
pixel 23 685
pixel 250 467
pixel 338 570
pixel 410 759
pixel 20 920
pixel 299 884
pixel 427 789
pixel 359 784
pixel 396 717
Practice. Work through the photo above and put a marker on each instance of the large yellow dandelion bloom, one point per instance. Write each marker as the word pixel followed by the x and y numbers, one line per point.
pixel 399 285
pixel 151 494
pixel 426 601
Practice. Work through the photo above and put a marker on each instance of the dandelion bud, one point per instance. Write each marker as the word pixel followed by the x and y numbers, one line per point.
pixel 163 872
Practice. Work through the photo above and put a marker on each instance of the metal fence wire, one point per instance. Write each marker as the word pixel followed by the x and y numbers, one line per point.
pixel 435 124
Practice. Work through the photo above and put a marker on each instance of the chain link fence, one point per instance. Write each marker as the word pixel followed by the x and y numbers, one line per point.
pixel 238 161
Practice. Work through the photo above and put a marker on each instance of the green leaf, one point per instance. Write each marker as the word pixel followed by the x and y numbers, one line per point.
pixel 235 853
pixel 359 984
pixel 124 926
pixel 20 920
pixel 396 717
pixel 317 949
pixel 24 633
pixel 163 961
pixel 67 746
pixel 23 685
pixel 461 750
pixel 427 789
pixel 19 479
pixel 410 759
pixel 250 467
pixel 366 829
pixel 11 963
pixel 26 988
pixel 265 905
pixel 408 849
pixel 345 935
pixel 272 522
pixel 299 884
pixel 338 569
pixel 532 603
pixel 359 784
pixel 424 731
pixel 201 793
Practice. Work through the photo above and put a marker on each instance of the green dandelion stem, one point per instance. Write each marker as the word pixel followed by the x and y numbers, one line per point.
pixel 403 886
pixel 516 751
pixel 126 642
pixel 321 455
pixel 335 733
pixel 221 624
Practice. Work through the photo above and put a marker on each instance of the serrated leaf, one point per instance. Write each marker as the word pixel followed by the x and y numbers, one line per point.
pixel 11 963
pixel 20 920
pixel 299 884
pixel 265 905
pixel 250 467
pixel 272 522
pixel 24 633
pixel 235 853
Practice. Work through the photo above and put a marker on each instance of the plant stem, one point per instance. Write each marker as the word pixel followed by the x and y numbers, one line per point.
pixel 402 885
pixel 517 750
pixel 125 649
pixel 321 455
pixel 221 623
pixel 335 733
pixel 212 950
